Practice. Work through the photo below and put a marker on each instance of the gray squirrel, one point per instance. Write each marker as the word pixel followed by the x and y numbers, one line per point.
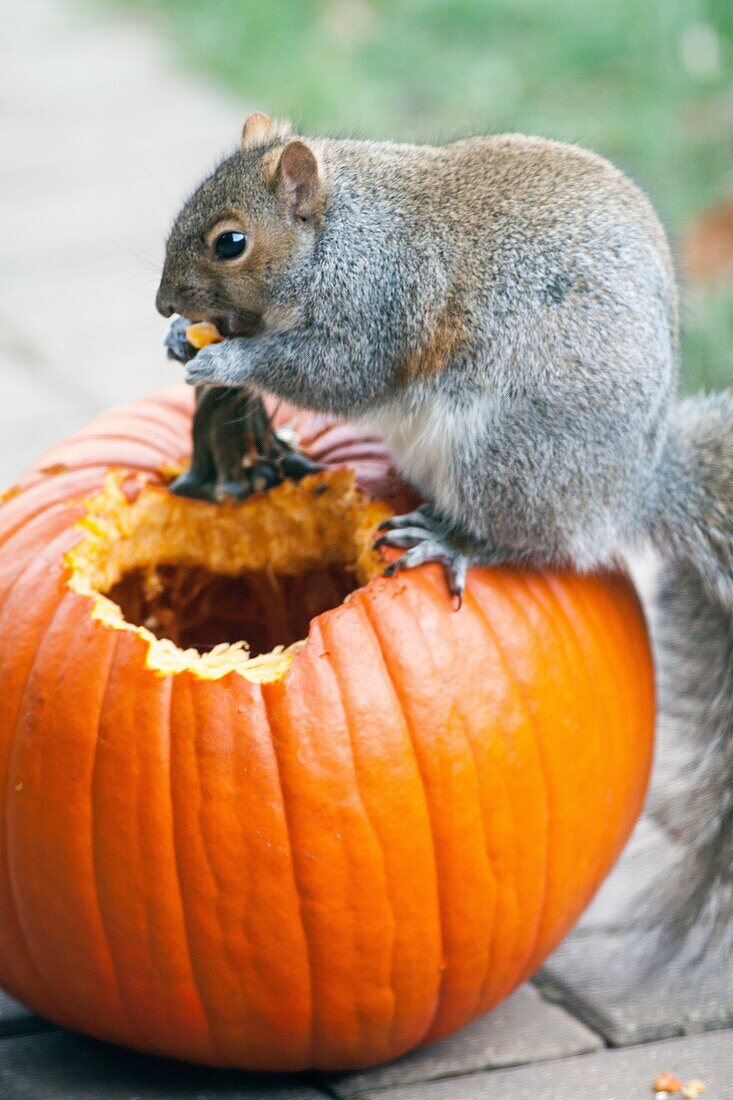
pixel 504 310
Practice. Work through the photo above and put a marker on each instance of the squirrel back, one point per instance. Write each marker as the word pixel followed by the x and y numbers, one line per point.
pixel 502 308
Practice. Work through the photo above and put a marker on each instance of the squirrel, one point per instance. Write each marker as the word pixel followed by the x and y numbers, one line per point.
pixel 504 310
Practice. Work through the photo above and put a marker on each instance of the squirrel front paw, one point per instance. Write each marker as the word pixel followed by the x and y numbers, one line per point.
pixel 426 537
pixel 218 364
pixel 176 343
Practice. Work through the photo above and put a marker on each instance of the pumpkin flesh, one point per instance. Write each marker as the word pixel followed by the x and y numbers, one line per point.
pixel 129 530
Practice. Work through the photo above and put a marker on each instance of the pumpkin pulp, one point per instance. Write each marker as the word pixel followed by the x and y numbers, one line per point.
pixel 229 587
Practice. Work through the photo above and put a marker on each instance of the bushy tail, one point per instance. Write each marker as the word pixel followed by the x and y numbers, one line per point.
pixel 654 957
pixel 692 797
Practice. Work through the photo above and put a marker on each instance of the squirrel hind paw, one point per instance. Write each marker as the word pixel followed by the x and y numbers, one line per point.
pixel 421 536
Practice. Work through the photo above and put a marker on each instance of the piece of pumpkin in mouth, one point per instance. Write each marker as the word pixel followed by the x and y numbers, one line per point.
pixel 203 333
pixel 220 326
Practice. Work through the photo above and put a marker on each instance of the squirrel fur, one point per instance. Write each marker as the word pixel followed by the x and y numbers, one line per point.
pixel 504 310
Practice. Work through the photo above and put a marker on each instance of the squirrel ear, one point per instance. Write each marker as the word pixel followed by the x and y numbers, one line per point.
pixel 297 179
pixel 258 130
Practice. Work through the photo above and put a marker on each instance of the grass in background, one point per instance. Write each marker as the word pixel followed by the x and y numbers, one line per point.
pixel 648 84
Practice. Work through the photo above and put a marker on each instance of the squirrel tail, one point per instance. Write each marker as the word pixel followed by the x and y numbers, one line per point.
pixel 692 623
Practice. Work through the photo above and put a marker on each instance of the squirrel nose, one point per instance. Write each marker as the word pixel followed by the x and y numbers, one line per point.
pixel 163 302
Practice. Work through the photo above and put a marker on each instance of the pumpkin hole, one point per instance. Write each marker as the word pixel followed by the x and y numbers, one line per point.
pixel 224 588
pixel 196 608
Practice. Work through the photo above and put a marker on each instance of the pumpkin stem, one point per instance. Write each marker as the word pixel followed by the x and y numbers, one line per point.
pixel 236 450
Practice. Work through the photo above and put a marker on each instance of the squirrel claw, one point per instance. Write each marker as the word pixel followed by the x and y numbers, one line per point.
pixel 421 517
pixel 426 540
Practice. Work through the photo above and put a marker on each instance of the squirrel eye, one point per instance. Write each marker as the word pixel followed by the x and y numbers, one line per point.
pixel 229 245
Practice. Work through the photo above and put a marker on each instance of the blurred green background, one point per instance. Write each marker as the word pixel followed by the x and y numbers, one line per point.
pixel 648 83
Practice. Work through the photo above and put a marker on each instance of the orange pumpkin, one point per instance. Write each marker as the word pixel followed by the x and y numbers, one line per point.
pixel 323 856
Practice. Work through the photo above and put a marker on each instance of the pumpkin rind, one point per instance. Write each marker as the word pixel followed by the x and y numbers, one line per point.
pixel 329 868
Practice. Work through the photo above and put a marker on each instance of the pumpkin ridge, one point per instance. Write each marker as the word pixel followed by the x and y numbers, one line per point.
pixel 316 438
pixel 133 854
pixel 518 693
pixel 185 917
pixel 293 865
pixel 601 699
pixel 430 586
pixel 176 686
pixel 619 702
pixel 528 964
pixel 368 930
pixel 235 972
pixel 177 434
pixel 122 454
pixel 29 510
pixel 441 661
pixel 10 753
pixel 539 735
pixel 413 992
pixel 618 661
pixel 334 824
pixel 470 600
pixel 130 1015
pixel 370 613
pixel 194 720
pixel 167 452
pixel 323 622
pixel 59 508
pixel 178 397
pixel 102 924
pixel 540 592
pixel 127 468
pixel 24 554
pixel 100 917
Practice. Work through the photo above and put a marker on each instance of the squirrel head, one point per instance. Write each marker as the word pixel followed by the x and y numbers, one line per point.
pixel 257 214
